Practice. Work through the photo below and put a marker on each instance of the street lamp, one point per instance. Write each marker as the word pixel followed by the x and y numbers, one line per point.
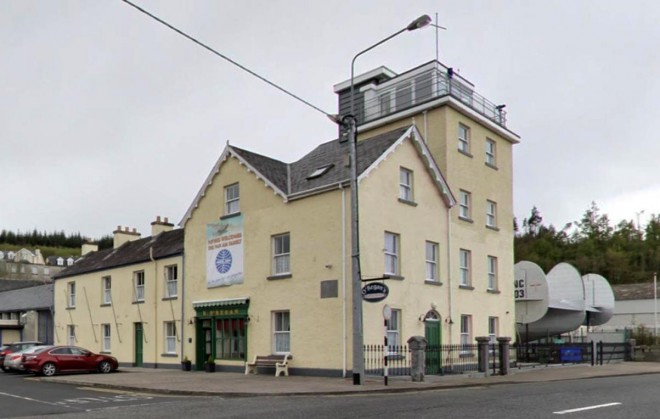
pixel 350 122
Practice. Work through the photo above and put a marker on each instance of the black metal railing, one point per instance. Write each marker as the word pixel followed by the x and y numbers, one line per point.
pixel 440 359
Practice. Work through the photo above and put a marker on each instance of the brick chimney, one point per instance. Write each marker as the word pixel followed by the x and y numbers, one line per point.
pixel 123 236
pixel 160 226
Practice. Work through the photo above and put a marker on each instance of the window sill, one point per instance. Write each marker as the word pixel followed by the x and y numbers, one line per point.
pixel 174 297
pixel 465 153
pixel 233 214
pixel 278 276
pixel 393 276
pixel 138 302
pixel 168 355
pixel 492 228
pixel 105 305
pixel 466 287
pixel 71 308
pixel 467 220
pixel 106 352
pixel 492 291
pixel 405 201
pixel 492 166
pixel 432 282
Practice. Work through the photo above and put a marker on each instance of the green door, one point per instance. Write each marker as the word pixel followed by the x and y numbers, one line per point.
pixel 139 340
pixel 433 353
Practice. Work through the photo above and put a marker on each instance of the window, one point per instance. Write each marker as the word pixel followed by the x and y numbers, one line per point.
pixel 230 338
pixel 138 283
pixel 171 279
pixel 232 202
pixel 105 330
pixel 320 171
pixel 71 335
pixel 463 138
pixel 391 254
pixel 71 297
pixel 281 254
pixel 431 261
pixel 107 289
pixel 281 332
pixel 464 267
pixel 492 273
pixel 490 153
pixel 406 185
pixel 394 329
pixel 491 214
pixel 493 325
pixel 464 198
pixel 466 332
pixel 170 337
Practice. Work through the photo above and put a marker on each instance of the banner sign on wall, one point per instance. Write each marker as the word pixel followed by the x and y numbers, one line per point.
pixel 224 252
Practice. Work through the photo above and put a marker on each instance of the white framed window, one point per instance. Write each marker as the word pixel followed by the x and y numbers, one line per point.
pixel 106 284
pixel 138 284
pixel 281 254
pixel 491 214
pixel 170 337
pixel 232 199
pixel 432 261
pixel 406 185
pixel 391 254
pixel 491 153
pixel 464 262
pixel 281 332
pixel 464 203
pixel 463 138
pixel 466 332
pixel 107 337
pixel 394 329
pixel 171 280
pixel 491 265
pixel 71 335
pixel 71 294
pixel 493 329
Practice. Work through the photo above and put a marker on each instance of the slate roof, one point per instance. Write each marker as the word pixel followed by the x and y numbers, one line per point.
pixel 166 244
pixel 32 298
pixel 12 284
pixel 642 291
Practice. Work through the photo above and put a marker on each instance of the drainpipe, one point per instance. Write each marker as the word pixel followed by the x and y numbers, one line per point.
pixel 183 303
pixel 151 257
pixel 343 278
pixel 449 286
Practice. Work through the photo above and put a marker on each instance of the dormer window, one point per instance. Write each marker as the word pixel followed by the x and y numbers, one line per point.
pixel 320 171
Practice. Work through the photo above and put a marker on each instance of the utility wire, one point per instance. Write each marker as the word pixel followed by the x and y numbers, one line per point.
pixel 242 67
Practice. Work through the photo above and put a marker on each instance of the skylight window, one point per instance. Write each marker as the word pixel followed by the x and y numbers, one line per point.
pixel 320 171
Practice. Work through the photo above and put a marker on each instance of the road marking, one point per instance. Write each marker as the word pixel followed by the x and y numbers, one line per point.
pixel 581 409
pixel 27 398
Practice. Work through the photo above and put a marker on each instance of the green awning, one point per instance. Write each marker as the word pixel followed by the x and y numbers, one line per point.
pixel 227 308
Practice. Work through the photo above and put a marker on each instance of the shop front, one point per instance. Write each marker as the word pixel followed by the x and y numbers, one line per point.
pixel 221 331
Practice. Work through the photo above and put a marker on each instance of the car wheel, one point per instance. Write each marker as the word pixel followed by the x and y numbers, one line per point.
pixel 105 367
pixel 48 369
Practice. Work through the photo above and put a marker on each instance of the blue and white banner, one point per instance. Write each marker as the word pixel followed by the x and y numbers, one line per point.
pixel 224 252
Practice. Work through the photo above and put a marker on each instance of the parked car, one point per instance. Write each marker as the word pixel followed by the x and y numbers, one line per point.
pixel 14 361
pixel 14 347
pixel 68 359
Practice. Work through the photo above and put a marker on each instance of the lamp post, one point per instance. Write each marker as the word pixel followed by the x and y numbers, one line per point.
pixel 350 122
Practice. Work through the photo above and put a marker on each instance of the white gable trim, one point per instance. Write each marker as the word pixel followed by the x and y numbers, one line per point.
pixel 228 152
pixel 415 136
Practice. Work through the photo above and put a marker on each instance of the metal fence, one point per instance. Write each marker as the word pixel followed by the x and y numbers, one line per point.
pixel 440 359
pixel 576 352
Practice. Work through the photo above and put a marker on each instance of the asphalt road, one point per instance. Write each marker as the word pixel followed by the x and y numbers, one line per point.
pixel 627 397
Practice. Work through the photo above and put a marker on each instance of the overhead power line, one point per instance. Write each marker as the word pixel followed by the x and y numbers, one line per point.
pixel 242 67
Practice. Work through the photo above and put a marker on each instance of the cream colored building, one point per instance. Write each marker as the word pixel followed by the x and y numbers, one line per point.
pixel 125 301
pixel 470 142
pixel 267 252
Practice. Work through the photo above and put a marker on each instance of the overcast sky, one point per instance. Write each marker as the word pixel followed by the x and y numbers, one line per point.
pixel 108 118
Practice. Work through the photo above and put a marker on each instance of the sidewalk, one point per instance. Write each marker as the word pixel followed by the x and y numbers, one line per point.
pixel 199 383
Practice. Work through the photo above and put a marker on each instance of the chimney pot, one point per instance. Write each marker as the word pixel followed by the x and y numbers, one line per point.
pixel 158 218
pixel 166 220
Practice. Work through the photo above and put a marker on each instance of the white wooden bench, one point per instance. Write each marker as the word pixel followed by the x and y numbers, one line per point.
pixel 279 362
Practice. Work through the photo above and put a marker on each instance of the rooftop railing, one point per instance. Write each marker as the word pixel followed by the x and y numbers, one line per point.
pixel 429 83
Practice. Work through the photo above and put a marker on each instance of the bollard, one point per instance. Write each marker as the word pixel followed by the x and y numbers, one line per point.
pixel 482 345
pixel 417 345
pixel 504 343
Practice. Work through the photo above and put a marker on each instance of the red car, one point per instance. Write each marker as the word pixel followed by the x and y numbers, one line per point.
pixel 68 359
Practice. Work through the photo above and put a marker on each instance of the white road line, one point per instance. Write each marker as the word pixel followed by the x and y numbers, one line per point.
pixel 581 409
pixel 27 398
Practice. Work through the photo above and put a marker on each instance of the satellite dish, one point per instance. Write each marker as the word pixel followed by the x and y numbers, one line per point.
pixel 530 292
